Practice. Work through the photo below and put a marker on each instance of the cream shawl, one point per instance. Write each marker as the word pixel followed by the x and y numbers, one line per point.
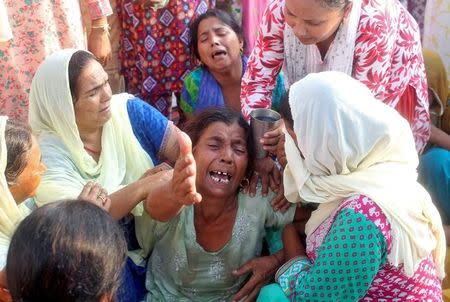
pixel 354 144
pixel 69 166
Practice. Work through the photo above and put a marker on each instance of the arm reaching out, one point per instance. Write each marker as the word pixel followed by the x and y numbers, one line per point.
pixel 169 199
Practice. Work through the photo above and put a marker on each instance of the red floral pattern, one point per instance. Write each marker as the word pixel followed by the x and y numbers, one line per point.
pixel 387 58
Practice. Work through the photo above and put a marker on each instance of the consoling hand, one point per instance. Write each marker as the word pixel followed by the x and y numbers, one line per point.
pixel 271 138
pixel 281 153
pixel 184 174
pixel 266 169
pixel 94 193
pixel 157 169
pixel 262 270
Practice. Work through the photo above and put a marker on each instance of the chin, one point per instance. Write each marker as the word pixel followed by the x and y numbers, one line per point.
pixel 307 41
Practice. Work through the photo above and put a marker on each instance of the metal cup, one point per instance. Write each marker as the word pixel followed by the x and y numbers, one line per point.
pixel 261 121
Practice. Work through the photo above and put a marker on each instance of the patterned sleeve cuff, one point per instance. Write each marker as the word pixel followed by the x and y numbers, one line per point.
pixel 99 9
pixel 170 128
pixel 290 270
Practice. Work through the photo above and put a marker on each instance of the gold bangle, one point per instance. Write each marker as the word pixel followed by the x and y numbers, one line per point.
pixel 105 27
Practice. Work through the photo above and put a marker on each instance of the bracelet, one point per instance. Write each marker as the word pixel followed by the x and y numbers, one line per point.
pixel 105 27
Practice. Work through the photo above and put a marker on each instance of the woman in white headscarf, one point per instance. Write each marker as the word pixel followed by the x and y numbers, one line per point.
pixel 376 233
pixel 20 171
pixel 86 134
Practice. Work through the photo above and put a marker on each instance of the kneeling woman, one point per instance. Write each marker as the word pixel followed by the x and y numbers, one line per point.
pixel 376 235
pixel 210 229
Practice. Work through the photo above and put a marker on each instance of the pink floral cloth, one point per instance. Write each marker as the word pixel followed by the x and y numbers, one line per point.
pixel 387 58
pixel 39 28
pixel 389 284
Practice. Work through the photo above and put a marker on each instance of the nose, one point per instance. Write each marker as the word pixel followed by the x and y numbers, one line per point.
pixel 43 168
pixel 299 30
pixel 107 93
pixel 214 39
pixel 227 155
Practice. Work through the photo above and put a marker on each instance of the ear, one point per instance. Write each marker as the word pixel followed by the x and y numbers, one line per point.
pixel 106 298
pixel 241 44
pixel 348 9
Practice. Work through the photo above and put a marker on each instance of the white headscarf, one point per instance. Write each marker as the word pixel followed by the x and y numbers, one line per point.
pixel 69 166
pixel 353 144
pixel 10 213
pixel 5 28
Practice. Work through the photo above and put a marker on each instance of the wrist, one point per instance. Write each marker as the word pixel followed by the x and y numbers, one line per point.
pixel 278 257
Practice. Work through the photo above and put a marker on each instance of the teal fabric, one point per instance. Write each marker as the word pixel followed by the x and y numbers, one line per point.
pixel 180 269
pixel 347 261
pixel 272 293
pixel 434 175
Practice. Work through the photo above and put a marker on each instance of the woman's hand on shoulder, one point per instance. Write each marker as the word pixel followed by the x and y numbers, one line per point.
pixel 183 187
pixel 266 169
pixel 159 168
pixel 94 193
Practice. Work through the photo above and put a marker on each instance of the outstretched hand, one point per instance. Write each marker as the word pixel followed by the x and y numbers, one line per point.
pixel 185 172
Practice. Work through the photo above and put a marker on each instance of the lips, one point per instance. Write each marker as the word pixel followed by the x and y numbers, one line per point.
pixel 218 53
pixel 222 177
pixel 105 109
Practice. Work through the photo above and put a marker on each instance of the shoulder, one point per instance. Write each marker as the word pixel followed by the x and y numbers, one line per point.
pixel 363 208
pixel 258 200
pixel 194 76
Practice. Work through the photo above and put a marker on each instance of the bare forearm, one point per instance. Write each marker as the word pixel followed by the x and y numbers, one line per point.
pixel 100 21
pixel 124 200
pixel 160 204
pixel 439 138
pixel 292 244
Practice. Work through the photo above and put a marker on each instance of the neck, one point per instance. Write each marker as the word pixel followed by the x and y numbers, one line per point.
pixel 210 209
pixel 324 45
pixel 91 137
pixel 230 76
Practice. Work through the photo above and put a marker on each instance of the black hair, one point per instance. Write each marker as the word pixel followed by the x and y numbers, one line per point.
pixel 224 17
pixel 285 111
pixel 19 141
pixel 77 63
pixel 195 128
pixel 70 251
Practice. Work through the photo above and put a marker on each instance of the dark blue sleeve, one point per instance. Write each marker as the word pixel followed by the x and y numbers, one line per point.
pixel 149 127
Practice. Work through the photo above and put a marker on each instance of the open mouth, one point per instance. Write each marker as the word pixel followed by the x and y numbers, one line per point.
pixel 218 53
pixel 220 177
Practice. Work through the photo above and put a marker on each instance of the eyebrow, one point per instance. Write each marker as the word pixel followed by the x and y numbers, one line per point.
pixel 215 29
pixel 215 138
pixel 94 88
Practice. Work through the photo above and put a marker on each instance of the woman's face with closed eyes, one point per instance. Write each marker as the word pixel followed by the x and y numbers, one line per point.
pixel 313 21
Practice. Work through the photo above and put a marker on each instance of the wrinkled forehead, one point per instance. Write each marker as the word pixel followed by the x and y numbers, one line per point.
pixel 224 131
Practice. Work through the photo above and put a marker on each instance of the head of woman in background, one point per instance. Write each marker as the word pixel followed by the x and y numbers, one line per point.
pixel 316 22
pixel 66 251
pixel 217 41
pixel 24 167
